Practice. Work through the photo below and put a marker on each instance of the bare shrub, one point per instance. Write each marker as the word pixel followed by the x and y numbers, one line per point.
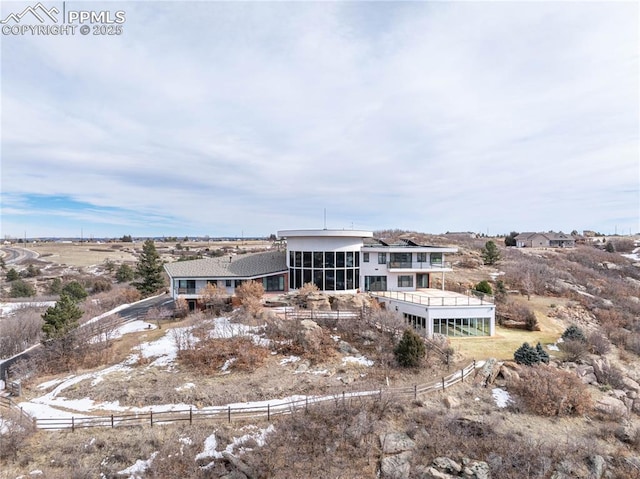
pixel 20 331
pixel 249 290
pixel 209 355
pixel 291 338
pixel 598 343
pixel 181 307
pixel 214 299
pixel 574 350
pixel 547 391
pixel 16 431
pixel 623 245
pixel 512 314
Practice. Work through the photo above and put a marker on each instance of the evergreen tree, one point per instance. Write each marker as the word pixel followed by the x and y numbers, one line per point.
pixel 490 253
pixel 410 350
pixel 149 270
pixel 56 286
pixel 21 289
pixel 526 355
pixel 484 287
pixel 544 356
pixel 124 273
pixel 511 239
pixel 61 318
pixel 75 291
pixel 12 275
pixel 574 333
pixel 609 248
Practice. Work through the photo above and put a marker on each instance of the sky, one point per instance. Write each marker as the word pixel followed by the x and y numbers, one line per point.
pixel 242 119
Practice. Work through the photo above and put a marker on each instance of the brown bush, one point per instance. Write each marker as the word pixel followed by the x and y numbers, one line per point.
pixel 574 350
pixel 547 391
pixel 513 314
pixel 598 343
pixel 210 355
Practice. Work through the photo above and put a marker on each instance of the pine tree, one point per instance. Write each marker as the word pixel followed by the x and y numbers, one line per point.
pixel 12 275
pixel 544 356
pixel 149 270
pixel 490 253
pixel 410 350
pixel 526 355
pixel 574 333
pixel 75 291
pixel 124 273
pixel 61 318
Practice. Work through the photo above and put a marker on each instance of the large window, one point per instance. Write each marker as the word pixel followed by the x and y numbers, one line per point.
pixel 186 286
pixel 382 258
pixel 405 281
pixel 436 258
pixel 421 257
pixel 462 326
pixel 365 257
pixel 328 270
pixel 400 260
pixel 273 283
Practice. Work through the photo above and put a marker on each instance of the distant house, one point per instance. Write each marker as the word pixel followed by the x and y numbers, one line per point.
pixel 545 240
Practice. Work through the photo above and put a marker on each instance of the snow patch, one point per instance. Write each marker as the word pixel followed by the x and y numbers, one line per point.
pixel 139 468
pixel 358 360
pixel 501 397
pixel 290 359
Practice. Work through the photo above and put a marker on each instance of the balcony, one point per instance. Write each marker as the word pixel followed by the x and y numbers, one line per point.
pixel 393 265
pixel 186 290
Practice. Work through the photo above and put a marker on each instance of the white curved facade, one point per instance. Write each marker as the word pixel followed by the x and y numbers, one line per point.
pixel 330 259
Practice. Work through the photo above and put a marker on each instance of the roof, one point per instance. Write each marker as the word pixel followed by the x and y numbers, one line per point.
pixel 405 243
pixel 242 266
pixel 324 233
pixel 551 236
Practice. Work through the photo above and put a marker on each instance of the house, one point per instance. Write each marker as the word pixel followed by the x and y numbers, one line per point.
pixel 187 278
pixel 398 275
pixel 545 240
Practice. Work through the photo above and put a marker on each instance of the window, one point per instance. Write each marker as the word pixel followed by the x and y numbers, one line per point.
pixel 422 257
pixel 375 283
pixel 405 281
pixel 340 259
pixel 329 259
pixel 227 283
pixel 238 282
pixel 382 258
pixel 350 259
pixel 400 260
pixel 307 259
pixel 365 257
pixel 298 256
pixel 317 259
pixel 436 258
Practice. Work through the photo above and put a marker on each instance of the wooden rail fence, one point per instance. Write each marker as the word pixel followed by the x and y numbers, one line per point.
pixel 229 414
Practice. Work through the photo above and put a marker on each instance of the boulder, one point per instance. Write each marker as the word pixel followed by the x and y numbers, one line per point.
pixel 626 433
pixel 597 466
pixel 630 384
pixel 611 405
pixel 395 442
pixel 431 473
pixel 475 469
pixel 397 466
pixel 451 402
pixel 446 464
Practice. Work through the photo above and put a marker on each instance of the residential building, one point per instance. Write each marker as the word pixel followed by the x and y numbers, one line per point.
pixel 398 275
pixel 188 278
pixel 545 240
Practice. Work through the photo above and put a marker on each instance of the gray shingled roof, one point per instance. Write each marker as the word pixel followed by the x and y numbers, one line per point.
pixel 241 266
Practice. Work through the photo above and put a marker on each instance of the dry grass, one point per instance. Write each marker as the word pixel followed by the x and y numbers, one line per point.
pixel 83 254
pixel 506 341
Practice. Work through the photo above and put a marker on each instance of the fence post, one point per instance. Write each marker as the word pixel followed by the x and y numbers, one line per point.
pixel 415 392
pixel 73 428
pixel 190 415
pixel 462 375
pixel 443 384
pixel 229 413
pixel 474 364
pixel 306 404
pixel 151 416
pixel 343 400
pixel 268 412
pixel 112 421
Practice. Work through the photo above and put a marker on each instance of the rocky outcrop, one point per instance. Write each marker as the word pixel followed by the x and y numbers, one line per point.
pixel 447 468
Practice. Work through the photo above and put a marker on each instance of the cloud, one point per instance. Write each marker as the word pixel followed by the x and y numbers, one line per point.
pixel 213 118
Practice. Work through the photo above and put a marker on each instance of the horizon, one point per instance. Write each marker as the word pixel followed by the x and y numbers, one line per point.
pixel 233 117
